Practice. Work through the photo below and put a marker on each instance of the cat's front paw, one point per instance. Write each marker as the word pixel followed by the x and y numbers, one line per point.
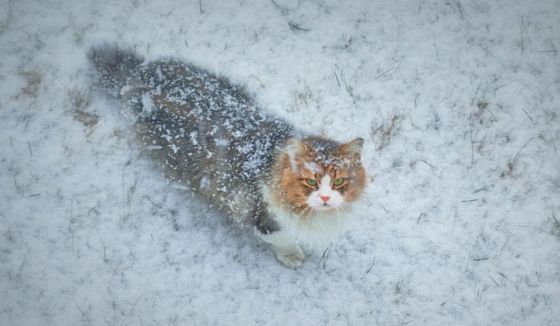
pixel 293 258
pixel 285 249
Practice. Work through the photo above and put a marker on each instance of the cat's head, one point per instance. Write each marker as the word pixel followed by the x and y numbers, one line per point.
pixel 319 175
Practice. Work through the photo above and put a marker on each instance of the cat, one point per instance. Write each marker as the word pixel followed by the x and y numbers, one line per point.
pixel 212 138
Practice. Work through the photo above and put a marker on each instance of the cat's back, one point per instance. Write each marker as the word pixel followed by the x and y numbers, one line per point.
pixel 205 130
pixel 194 94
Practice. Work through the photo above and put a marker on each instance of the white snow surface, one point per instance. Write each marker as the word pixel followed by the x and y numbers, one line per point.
pixel 458 102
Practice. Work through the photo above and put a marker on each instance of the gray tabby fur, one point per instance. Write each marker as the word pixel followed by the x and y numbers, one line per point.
pixel 206 132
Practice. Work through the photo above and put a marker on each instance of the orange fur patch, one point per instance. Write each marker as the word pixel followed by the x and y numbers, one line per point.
pixel 291 188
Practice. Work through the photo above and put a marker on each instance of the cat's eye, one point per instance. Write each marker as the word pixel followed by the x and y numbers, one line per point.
pixel 338 182
pixel 312 182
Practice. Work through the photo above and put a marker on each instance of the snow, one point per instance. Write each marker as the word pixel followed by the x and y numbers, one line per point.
pixel 458 103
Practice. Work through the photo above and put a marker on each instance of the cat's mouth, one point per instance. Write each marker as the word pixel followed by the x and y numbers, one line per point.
pixel 324 207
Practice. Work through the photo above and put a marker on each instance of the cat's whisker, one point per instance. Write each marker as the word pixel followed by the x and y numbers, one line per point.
pixel 302 210
pixel 337 216
pixel 308 212
pixel 298 206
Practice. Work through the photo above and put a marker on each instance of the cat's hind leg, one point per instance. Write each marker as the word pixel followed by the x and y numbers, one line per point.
pixel 285 249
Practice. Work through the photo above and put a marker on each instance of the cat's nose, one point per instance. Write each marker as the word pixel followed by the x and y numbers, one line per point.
pixel 325 198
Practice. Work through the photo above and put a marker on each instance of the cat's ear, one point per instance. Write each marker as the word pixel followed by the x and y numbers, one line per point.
pixel 352 148
pixel 294 149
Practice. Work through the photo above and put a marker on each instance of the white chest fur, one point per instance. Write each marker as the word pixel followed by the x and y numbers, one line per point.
pixel 316 231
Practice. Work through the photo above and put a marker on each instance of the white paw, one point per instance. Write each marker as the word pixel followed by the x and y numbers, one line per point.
pixel 293 258
pixel 285 249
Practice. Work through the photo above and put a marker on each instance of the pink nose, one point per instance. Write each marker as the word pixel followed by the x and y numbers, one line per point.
pixel 325 198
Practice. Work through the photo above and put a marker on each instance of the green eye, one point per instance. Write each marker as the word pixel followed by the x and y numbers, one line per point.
pixel 338 182
pixel 312 182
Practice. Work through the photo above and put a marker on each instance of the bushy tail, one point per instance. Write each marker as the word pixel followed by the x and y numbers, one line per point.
pixel 112 66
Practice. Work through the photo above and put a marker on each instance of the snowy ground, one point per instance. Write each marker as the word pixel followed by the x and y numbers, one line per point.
pixel 459 103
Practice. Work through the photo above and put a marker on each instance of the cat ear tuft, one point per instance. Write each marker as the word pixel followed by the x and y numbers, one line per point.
pixel 294 148
pixel 353 147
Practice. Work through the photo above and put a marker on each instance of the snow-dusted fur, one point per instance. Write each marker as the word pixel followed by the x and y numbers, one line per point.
pixel 113 66
pixel 209 136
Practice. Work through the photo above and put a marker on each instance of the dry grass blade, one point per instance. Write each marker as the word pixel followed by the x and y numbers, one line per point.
pixel 297 28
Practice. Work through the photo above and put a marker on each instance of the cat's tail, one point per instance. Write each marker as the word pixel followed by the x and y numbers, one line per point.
pixel 112 66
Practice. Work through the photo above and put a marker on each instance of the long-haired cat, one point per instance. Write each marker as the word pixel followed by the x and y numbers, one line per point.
pixel 211 137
